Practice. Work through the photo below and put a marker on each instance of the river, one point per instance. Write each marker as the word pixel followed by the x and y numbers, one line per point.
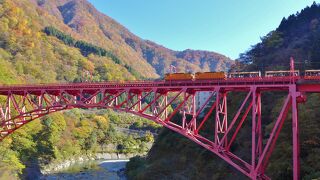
pixel 94 170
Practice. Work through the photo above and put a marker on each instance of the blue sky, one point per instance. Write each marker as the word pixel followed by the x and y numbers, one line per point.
pixel 228 27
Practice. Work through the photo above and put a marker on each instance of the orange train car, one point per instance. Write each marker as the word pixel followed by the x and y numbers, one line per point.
pixel 210 75
pixel 179 76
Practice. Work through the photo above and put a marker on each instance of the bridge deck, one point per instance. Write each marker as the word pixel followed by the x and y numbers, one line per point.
pixel 22 104
pixel 239 84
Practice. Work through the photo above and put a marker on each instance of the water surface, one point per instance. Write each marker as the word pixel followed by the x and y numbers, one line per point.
pixel 95 170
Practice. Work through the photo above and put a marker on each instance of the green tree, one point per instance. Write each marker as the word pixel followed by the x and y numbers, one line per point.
pixel 9 161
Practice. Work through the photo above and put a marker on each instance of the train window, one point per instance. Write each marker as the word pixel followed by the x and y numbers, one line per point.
pixel 312 73
pixel 245 74
pixel 281 73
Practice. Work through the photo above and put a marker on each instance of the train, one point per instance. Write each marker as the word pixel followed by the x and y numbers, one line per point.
pixel 308 74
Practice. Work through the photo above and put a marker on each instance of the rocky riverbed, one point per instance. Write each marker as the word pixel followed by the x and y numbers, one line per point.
pixel 94 166
pixel 61 166
pixel 95 170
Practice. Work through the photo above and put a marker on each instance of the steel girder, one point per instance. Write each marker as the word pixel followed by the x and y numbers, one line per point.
pixel 161 104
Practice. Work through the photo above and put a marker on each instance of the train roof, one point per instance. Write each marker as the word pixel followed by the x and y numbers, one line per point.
pixel 281 71
pixel 253 72
pixel 210 72
pixel 313 70
pixel 178 73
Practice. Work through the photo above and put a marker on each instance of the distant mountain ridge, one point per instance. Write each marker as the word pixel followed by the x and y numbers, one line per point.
pixel 147 57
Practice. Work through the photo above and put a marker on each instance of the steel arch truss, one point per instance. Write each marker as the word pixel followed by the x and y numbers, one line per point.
pixel 161 105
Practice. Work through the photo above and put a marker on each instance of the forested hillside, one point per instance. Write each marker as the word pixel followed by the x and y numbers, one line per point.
pixel 297 36
pixel 29 54
pixel 81 19
pixel 175 157
pixel 50 41
pixel 22 38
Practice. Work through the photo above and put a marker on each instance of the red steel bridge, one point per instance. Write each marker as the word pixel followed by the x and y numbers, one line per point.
pixel 21 104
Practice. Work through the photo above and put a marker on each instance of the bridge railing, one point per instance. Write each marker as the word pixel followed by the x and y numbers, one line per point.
pixel 233 81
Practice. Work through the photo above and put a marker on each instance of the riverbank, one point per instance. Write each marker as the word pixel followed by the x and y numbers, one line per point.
pixel 108 169
pixel 56 167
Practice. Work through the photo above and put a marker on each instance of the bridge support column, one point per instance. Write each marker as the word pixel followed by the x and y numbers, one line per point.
pixel 194 113
pixel 184 110
pixel 23 110
pixel 8 109
pixel 221 124
pixel 253 131
pixel 259 126
pixel 257 136
pixel 295 133
pixel 165 106
pixel 7 115
pixel 140 101
pixel 40 100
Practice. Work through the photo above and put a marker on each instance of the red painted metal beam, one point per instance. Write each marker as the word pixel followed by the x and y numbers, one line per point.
pixel 309 88
pixel 29 102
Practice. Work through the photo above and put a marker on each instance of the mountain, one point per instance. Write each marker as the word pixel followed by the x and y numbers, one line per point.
pixel 24 45
pixel 146 57
pixel 205 60
pixel 175 157
pixel 28 55
pixel 59 41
